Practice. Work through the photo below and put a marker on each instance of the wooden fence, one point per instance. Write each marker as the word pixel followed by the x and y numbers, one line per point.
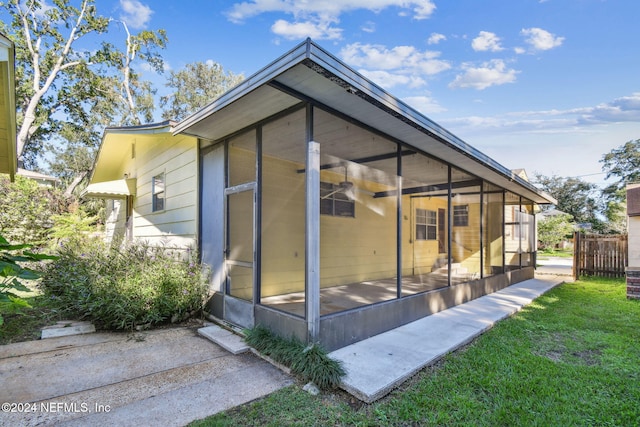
pixel 602 255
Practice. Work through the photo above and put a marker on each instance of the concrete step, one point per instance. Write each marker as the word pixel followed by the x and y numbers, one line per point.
pixel 65 328
pixel 224 338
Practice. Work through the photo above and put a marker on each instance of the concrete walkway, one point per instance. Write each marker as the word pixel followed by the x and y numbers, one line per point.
pixel 173 376
pixel 379 364
pixel 165 377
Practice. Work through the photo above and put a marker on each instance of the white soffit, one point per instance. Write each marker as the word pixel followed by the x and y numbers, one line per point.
pixel 318 76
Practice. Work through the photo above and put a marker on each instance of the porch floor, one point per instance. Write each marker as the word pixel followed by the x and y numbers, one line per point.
pixel 340 298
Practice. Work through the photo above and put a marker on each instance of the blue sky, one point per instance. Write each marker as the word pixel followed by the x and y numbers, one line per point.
pixel 545 85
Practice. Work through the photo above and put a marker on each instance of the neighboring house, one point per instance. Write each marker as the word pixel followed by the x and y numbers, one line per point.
pixel 150 181
pixel 8 160
pixel 40 178
pixel 633 229
pixel 521 173
pixel 327 209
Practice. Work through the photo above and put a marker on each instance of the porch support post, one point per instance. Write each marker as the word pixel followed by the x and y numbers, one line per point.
pixel 312 234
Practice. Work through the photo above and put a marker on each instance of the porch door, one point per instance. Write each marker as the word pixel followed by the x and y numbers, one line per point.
pixel 240 251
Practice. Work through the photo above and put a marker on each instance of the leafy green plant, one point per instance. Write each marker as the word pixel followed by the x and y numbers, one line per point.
pixel 27 208
pixel 11 274
pixel 309 362
pixel 554 229
pixel 138 285
pixel 70 224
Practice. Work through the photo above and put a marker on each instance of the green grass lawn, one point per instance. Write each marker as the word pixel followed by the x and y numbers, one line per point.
pixel 558 253
pixel 571 358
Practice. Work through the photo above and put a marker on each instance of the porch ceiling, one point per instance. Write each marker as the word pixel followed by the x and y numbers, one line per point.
pixel 310 73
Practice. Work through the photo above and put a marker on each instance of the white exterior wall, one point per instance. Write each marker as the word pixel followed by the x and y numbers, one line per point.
pixel 176 224
pixel 634 241
pixel 116 217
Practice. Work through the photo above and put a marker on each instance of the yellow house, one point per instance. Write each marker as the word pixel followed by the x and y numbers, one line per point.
pixel 326 208
pixel 149 178
pixel 8 159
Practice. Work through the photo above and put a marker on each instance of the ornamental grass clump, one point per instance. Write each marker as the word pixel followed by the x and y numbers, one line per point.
pixel 311 363
pixel 122 288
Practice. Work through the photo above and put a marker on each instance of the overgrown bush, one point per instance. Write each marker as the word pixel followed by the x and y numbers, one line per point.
pixel 27 208
pixel 138 285
pixel 311 363
pixel 12 271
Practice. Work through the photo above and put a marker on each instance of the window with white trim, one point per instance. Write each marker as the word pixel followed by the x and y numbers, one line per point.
pixel 157 191
pixel 426 224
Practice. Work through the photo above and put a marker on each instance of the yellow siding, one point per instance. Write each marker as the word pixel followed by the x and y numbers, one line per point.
pixel 177 158
pixel 283 225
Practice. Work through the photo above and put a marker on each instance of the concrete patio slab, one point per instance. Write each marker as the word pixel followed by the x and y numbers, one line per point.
pixel 161 377
pixel 379 364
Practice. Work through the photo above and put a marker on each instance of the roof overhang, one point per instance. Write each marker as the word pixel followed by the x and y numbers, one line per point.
pixel 117 189
pixel 309 73
pixel 8 158
pixel 115 148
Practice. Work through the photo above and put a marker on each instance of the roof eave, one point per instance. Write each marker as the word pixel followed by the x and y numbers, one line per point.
pixel 309 50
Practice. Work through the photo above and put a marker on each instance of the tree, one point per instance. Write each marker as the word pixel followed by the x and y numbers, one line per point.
pixel 578 198
pixel 128 100
pixel 553 229
pixel 27 208
pixel 195 86
pixel 622 163
pixel 124 99
pixel 52 76
pixel 67 92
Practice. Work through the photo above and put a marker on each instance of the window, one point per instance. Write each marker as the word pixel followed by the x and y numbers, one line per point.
pixel 461 216
pixel 426 224
pixel 157 190
pixel 520 226
pixel 334 202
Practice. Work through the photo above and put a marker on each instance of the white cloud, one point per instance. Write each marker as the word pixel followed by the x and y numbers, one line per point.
pixel 621 110
pixel 300 30
pixel 540 39
pixel 369 27
pixel 486 41
pixel 389 80
pixel 519 50
pixel 436 38
pixel 318 17
pixel 424 104
pixel 542 141
pixel 404 59
pixel 624 109
pixel 421 9
pixel 492 73
pixel 136 14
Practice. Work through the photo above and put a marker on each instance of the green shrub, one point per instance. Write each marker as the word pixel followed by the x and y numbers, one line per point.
pixel 27 208
pixel 123 288
pixel 311 363
pixel 12 272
